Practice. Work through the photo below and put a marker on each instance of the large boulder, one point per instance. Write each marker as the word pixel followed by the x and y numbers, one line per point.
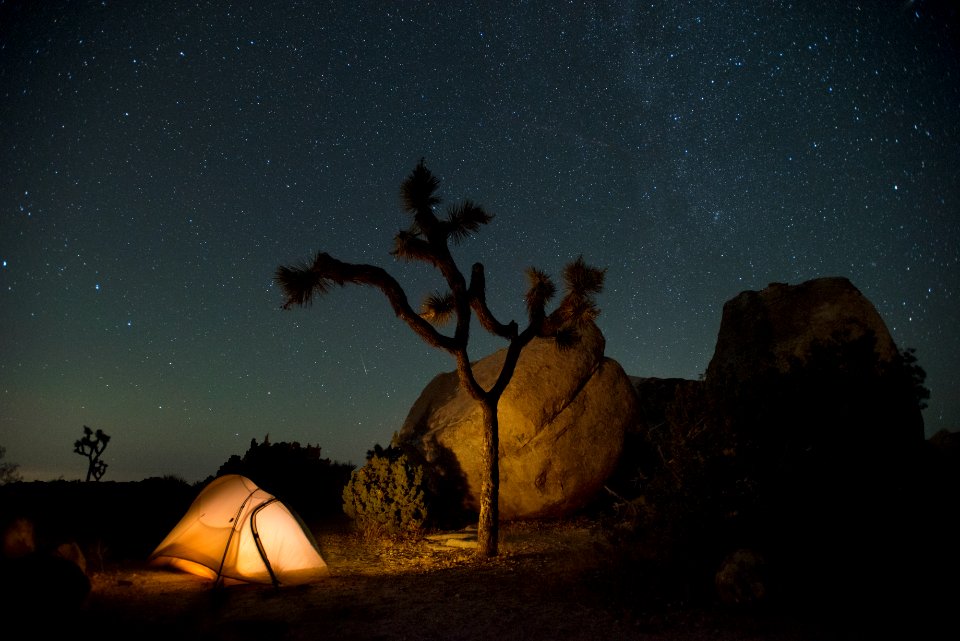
pixel 562 420
pixel 817 416
pixel 797 470
pixel 817 351
pixel 18 539
pixel 741 579
pixel 776 328
pixel 39 588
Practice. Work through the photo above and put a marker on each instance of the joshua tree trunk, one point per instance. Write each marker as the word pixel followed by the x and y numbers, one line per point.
pixel 488 527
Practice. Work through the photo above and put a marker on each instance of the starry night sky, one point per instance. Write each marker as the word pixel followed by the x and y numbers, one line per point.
pixel 158 160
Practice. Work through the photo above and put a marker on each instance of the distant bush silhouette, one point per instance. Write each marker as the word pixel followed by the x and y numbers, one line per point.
pixel 8 471
pixel 298 475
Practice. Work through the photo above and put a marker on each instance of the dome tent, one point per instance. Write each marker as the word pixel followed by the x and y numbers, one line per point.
pixel 236 532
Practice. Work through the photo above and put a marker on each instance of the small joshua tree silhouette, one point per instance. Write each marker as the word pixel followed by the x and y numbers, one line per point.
pixel 92 446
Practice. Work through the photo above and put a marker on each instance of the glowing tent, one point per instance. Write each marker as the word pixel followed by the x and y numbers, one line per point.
pixel 234 531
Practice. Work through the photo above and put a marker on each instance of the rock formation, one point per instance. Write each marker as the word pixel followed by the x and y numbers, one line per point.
pixel 39 586
pixel 776 328
pixel 803 435
pixel 562 421
pixel 741 578
pixel 817 350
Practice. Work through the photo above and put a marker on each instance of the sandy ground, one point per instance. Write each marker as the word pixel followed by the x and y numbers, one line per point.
pixel 547 583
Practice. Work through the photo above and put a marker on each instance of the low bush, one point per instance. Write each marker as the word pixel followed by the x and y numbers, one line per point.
pixel 385 497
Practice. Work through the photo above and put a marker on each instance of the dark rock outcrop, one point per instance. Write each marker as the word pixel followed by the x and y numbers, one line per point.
pixel 18 539
pixel 778 327
pixel 813 367
pixel 741 579
pixel 562 420
pixel 803 441
pixel 39 588
pixel 810 400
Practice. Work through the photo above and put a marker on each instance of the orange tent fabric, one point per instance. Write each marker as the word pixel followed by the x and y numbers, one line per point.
pixel 234 531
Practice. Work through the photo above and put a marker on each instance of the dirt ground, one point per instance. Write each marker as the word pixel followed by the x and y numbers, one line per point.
pixel 547 583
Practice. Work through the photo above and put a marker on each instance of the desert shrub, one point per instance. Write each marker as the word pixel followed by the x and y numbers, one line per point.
pixel 297 475
pixel 385 497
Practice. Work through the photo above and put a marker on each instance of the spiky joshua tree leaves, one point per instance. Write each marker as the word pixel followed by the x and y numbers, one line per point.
pixel 92 446
pixel 428 240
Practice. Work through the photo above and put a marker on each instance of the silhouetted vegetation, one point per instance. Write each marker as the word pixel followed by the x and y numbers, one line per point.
pixel 110 521
pixel 390 492
pixel 428 240
pixel 8 471
pixel 385 497
pixel 297 475
pixel 92 446
pixel 915 376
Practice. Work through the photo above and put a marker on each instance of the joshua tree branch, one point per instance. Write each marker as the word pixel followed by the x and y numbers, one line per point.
pixel 327 270
pixel 510 362
pixel 478 301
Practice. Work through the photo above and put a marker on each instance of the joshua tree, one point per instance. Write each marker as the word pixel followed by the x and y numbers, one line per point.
pixel 92 446
pixel 427 240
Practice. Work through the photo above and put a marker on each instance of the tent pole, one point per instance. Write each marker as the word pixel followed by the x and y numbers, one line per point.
pixel 256 539
pixel 233 530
